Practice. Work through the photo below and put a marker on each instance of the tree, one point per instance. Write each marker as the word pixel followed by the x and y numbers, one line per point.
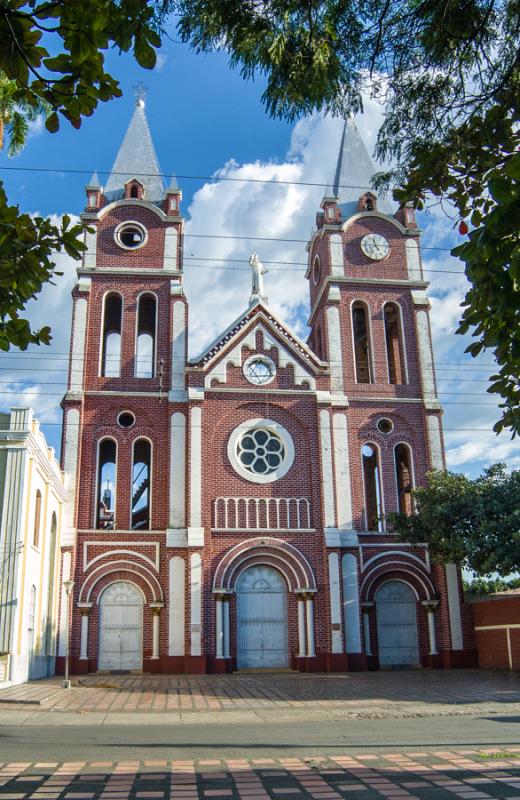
pixel 52 62
pixel 449 74
pixel 480 587
pixel 475 523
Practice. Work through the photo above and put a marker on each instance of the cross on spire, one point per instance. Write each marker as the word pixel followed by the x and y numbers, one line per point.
pixel 140 92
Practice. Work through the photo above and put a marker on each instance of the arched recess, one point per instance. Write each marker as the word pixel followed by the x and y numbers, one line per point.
pixel 141 484
pixel 396 616
pixel 146 335
pixel 120 626
pixel 397 569
pixel 285 558
pixel 362 342
pixel 122 570
pixel 111 335
pixel 394 341
pixel 403 463
pixel 106 483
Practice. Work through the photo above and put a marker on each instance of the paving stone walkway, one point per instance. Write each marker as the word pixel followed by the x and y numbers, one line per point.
pixel 366 694
pixel 441 775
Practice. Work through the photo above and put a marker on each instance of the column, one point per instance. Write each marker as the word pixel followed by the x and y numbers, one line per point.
pixel 83 648
pixel 309 604
pixel 219 627
pixel 225 624
pixel 367 607
pixel 430 606
pixel 156 613
pixel 301 626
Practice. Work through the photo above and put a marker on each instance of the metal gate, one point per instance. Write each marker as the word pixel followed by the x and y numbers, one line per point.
pixel 261 619
pixel 121 627
pixel 396 625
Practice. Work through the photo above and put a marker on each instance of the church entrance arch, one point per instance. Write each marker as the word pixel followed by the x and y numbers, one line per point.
pixel 121 627
pixel 262 634
pixel 397 625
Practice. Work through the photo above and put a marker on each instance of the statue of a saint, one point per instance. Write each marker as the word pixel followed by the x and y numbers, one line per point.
pixel 257 279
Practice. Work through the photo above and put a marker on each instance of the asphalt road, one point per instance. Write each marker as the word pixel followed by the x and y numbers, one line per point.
pixel 122 742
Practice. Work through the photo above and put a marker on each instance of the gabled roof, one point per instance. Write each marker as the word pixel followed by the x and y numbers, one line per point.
pixel 251 315
pixel 136 159
pixel 354 171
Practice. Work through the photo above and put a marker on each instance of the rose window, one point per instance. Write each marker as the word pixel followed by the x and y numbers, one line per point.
pixel 260 451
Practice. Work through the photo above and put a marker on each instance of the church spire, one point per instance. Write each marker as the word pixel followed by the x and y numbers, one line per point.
pixel 354 170
pixel 136 159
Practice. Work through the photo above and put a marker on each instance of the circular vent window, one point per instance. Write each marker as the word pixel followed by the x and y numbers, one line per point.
pixel 385 425
pixel 126 419
pixel 130 235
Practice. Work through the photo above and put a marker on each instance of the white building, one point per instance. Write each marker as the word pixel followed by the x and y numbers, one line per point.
pixel 32 497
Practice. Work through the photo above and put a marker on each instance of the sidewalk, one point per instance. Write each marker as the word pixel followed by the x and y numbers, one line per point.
pixel 265 697
pixel 467 774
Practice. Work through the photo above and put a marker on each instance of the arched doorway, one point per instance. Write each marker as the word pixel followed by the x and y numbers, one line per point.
pixel 121 627
pixel 397 625
pixel 262 639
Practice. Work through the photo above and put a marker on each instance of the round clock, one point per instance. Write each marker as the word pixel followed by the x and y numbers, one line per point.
pixel 375 246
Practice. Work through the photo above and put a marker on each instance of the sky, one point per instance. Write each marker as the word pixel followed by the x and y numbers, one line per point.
pixel 207 124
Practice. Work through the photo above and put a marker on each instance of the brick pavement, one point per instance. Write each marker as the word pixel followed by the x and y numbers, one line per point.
pixel 469 774
pixel 421 692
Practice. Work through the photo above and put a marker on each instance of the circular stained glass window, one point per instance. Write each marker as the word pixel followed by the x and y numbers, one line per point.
pixel 259 370
pixel 261 451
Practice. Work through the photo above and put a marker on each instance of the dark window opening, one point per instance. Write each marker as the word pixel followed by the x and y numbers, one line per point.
pixel 371 475
pixel 362 354
pixel 105 503
pixel 131 236
pixel 111 344
pixel 145 350
pixel 403 470
pixel 126 419
pixel 141 480
pixel 394 344
pixel 134 191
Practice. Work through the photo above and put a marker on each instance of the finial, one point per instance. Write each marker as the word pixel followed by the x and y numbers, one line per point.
pixel 140 90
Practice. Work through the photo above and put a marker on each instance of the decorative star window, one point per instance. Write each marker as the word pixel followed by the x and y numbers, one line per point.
pixel 259 370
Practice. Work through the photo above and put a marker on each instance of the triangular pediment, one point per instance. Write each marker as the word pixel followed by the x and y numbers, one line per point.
pixel 242 335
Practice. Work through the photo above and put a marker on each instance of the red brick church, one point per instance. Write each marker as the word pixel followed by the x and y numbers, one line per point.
pixel 228 511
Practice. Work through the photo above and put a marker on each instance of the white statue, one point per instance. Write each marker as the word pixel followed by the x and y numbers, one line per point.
pixel 257 279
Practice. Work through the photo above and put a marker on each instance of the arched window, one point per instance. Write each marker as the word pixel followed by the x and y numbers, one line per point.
pixel 111 341
pixel 134 191
pixel 141 484
pixel 404 478
pixel 48 632
pixel 145 345
pixel 106 485
pixel 394 344
pixel 362 351
pixel 372 481
pixel 37 518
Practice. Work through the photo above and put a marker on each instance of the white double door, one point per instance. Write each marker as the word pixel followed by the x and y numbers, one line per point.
pixel 121 627
pixel 397 625
pixel 262 639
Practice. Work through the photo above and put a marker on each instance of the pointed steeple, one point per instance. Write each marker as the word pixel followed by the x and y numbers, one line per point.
pixel 136 159
pixel 354 171
pixel 94 181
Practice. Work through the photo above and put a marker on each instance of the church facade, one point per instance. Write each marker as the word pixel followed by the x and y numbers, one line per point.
pixel 228 512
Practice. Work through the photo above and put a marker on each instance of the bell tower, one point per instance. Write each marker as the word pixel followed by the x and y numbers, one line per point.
pixel 127 366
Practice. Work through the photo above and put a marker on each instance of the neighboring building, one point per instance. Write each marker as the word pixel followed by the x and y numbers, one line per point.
pixel 497 630
pixel 32 497
pixel 228 511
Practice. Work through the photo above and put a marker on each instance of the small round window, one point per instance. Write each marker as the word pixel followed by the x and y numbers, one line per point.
pixel 261 450
pixel 259 370
pixel 385 425
pixel 130 235
pixel 126 419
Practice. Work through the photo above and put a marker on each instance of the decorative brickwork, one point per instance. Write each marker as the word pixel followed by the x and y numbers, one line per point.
pixel 174 504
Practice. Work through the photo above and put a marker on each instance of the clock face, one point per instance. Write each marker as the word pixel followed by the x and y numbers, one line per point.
pixel 375 246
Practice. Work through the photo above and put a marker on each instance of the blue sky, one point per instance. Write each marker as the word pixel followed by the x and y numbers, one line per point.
pixel 206 120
